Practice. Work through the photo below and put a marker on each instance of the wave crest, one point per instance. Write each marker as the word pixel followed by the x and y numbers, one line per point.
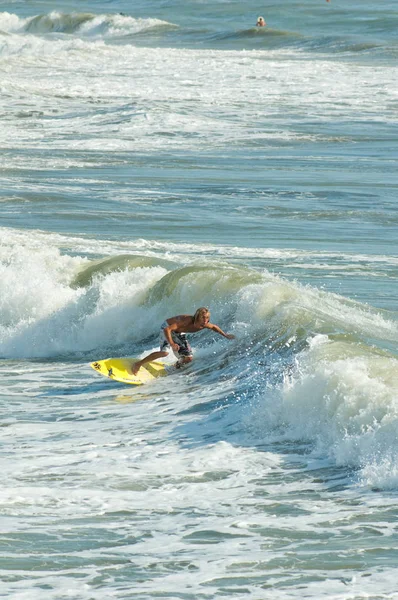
pixel 80 24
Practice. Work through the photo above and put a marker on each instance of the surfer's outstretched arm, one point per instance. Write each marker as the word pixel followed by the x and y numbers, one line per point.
pixel 218 329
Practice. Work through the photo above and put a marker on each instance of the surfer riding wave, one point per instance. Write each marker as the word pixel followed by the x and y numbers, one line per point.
pixel 172 335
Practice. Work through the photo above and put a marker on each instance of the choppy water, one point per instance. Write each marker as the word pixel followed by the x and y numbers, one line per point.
pixel 163 156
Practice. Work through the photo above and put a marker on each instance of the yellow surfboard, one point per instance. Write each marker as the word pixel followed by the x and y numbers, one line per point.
pixel 119 369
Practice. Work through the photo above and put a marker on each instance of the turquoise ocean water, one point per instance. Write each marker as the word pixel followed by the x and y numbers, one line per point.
pixel 157 156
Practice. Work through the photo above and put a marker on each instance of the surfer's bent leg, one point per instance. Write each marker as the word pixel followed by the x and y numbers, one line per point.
pixel 162 353
pixel 153 356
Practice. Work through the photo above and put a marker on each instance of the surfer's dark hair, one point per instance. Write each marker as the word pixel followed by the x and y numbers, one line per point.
pixel 201 311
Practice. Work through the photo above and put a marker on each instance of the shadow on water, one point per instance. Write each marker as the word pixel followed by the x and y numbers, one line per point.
pixel 82 389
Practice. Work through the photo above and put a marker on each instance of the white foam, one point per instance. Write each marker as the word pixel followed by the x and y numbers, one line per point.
pixel 182 251
pixel 41 315
pixel 119 25
pixel 169 109
pixel 343 398
pixel 10 22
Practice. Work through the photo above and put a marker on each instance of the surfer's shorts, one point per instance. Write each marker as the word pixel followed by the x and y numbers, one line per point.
pixel 178 338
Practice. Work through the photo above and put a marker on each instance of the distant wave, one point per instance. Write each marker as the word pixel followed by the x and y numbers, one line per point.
pixel 81 24
pixel 268 38
pixel 257 37
pixel 338 44
pixel 263 32
pixel 266 33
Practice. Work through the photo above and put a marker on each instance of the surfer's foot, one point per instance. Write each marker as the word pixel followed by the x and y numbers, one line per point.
pixel 135 368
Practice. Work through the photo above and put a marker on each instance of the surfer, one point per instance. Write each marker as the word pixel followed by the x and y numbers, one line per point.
pixel 261 22
pixel 172 335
